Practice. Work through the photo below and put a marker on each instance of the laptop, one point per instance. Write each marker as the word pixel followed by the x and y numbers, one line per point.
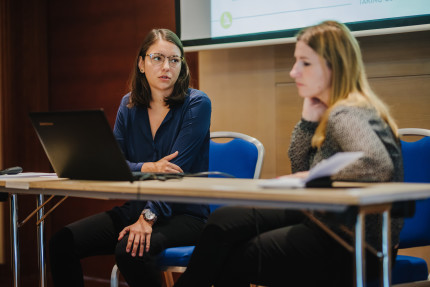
pixel 81 145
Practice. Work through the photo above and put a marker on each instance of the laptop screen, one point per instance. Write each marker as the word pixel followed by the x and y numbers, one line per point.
pixel 81 145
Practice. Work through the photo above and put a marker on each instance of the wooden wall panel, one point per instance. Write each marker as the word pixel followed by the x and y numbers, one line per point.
pixel 92 50
pixel 24 74
pixel 93 47
pixel 288 112
pixel 4 87
pixel 240 83
pixel 408 98
pixel 27 82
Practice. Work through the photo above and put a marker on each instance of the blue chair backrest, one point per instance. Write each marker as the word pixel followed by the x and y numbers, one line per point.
pixel 416 163
pixel 236 157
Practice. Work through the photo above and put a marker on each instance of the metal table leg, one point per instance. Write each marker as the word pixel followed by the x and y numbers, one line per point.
pixel 14 238
pixel 360 265
pixel 360 275
pixel 386 248
pixel 40 242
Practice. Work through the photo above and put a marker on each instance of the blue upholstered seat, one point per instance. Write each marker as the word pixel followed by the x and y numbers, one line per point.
pixel 176 256
pixel 409 269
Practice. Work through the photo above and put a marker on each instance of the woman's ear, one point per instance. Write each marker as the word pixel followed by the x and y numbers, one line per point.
pixel 141 65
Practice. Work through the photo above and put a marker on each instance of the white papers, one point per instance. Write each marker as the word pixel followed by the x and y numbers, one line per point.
pixel 19 180
pixel 27 174
pixel 325 168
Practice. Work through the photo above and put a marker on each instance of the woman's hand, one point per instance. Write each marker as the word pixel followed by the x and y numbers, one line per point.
pixel 313 109
pixel 139 236
pixel 163 165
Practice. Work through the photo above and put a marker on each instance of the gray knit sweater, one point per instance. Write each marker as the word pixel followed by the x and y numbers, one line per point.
pixel 353 129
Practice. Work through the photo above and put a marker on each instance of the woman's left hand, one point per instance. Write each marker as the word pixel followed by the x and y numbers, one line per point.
pixel 139 236
pixel 313 109
pixel 163 165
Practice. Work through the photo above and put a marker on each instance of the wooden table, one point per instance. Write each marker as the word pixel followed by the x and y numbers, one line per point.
pixel 367 198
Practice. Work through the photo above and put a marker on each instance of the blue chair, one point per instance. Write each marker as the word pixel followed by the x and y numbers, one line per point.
pixel 242 157
pixel 416 231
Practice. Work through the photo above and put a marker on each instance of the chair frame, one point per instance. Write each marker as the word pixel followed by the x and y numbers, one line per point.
pixel 414 132
pixel 167 270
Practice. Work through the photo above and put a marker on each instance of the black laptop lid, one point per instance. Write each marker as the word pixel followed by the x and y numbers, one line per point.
pixel 81 145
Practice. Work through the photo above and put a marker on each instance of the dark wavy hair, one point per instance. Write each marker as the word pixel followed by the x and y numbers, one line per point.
pixel 139 86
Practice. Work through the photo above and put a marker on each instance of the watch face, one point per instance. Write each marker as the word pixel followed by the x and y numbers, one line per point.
pixel 149 215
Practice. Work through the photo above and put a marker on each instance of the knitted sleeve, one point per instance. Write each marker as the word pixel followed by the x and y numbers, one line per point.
pixel 301 151
pixel 358 129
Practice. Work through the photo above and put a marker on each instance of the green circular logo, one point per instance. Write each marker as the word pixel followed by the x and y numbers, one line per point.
pixel 226 20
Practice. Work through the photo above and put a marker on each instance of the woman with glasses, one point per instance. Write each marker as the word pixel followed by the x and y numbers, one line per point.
pixel 162 126
pixel 340 113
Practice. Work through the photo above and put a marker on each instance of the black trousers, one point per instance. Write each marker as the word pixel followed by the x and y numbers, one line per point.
pixel 98 235
pixel 269 247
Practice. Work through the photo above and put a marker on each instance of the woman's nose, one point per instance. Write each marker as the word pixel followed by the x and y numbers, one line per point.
pixel 294 72
pixel 166 64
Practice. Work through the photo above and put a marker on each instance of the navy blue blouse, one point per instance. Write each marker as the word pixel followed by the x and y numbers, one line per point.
pixel 184 129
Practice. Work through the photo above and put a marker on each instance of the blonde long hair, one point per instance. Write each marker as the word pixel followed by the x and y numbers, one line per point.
pixel 337 46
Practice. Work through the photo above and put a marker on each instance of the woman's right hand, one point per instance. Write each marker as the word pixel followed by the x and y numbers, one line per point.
pixel 139 237
pixel 163 165
pixel 313 109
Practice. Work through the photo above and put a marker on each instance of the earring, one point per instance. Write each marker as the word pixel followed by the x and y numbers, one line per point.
pixel 141 70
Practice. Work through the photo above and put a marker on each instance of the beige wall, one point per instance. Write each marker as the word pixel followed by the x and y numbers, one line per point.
pixel 241 85
pixel 252 92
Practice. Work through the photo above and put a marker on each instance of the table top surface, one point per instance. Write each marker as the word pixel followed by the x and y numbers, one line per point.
pixel 221 190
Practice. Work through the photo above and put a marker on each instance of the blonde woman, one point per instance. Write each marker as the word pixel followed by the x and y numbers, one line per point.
pixel 340 113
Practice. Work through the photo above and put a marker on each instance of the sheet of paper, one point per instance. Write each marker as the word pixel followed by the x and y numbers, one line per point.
pixel 12 180
pixel 27 174
pixel 333 164
pixel 325 168
pixel 283 182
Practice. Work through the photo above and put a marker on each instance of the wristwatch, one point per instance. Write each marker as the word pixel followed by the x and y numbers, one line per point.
pixel 149 216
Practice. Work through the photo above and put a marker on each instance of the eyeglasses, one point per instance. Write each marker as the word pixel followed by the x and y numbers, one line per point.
pixel 158 59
